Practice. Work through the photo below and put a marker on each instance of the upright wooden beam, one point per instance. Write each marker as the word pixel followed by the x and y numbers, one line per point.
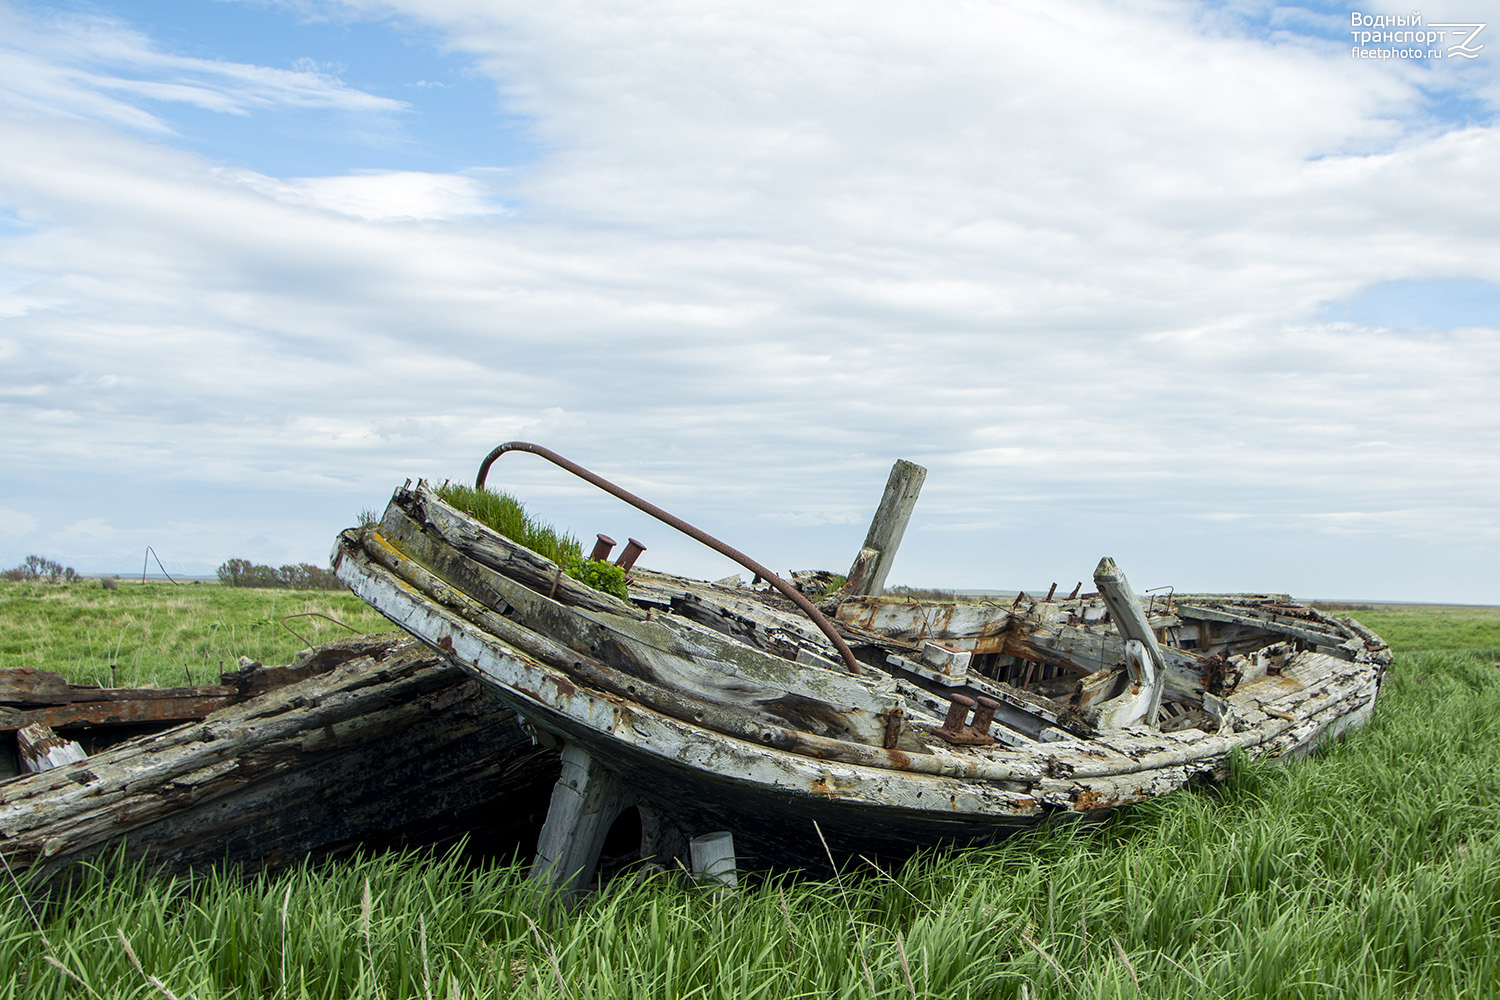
pixel 586 800
pixel 867 575
pixel 1130 618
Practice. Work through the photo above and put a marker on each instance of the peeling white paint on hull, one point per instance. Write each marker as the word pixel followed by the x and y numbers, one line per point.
pixel 717 708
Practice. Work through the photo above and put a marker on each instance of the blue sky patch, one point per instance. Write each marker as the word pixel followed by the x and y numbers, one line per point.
pixel 1441 304
pixel 12 224
pixel 453 118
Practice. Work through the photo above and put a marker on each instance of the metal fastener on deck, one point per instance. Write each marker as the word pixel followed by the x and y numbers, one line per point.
pixel 633 550
pixel 958 711
pixel 601 548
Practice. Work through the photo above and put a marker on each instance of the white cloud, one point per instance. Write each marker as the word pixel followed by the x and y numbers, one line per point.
pixel 387 194
pixel 1065 255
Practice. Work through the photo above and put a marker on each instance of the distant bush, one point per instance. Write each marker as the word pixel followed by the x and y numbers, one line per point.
pixel 302 576
pixel 37 568
pixel 921 594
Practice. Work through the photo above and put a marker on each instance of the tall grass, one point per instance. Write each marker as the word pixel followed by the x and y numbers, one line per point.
pixel 508 516
pixel 1371 869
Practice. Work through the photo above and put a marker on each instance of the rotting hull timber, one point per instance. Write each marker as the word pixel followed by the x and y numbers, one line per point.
pixel 389 746
pixel 752 725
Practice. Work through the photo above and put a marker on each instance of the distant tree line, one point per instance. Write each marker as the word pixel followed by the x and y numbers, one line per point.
pixel 37 568
pixel 302 576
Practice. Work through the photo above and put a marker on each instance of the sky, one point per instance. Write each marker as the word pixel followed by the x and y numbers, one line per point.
pixel 1210 288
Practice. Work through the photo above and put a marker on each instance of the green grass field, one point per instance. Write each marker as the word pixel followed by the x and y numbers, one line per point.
pixel 1371 869
pixel 161 634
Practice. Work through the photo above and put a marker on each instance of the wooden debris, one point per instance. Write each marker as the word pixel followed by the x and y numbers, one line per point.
pixel 586 800
pixel 387 745
pixel 713 858
pixel 1143 656
pixel 41 749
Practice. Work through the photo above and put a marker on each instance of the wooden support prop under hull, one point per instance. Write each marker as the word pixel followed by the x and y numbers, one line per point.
pixel 586 801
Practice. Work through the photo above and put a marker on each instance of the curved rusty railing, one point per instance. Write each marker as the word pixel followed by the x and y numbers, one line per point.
pixel 792 593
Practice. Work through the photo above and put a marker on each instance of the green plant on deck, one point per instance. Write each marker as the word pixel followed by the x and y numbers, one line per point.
pixel 507 515
pixel 602 576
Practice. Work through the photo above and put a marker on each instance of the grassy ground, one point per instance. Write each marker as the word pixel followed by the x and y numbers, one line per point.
pixel 161 634
pixel 1370 870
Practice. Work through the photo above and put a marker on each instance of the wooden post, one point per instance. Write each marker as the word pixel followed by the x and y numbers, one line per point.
pixel 1130 618
pixel 867 575
pixel 713 858
pixel 585 801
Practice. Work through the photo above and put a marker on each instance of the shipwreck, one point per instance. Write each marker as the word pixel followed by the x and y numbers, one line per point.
pixel 808 725
pixel 365 743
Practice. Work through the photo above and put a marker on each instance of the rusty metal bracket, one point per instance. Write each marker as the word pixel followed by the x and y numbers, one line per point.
pixel 969 734
pixel 697 534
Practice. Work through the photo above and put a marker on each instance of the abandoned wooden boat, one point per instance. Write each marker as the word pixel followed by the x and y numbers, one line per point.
pixel 720 707
pixel 365 743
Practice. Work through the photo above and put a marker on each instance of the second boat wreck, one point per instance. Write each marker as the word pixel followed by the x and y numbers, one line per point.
pixel 881 727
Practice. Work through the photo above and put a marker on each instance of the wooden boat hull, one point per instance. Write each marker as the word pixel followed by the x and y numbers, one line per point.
pixel 630 689
pixel 389 746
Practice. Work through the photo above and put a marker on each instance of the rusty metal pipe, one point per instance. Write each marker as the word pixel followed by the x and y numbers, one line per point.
pixel 790 592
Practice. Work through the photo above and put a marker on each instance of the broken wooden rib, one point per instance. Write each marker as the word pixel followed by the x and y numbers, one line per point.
pixel 387 745
pixel 41 749
pixel 718 708
pixel 30 697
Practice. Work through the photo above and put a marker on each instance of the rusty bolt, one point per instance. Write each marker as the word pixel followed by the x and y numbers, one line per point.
pixel 633 550
pixel 601 548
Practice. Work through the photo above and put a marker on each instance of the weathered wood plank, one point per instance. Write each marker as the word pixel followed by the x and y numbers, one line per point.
pixel 916 621
pixel 41 749
pixel 123 711
pixel 1273 624
pixel 28 686
pixel 1130 618
pixel 673 654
